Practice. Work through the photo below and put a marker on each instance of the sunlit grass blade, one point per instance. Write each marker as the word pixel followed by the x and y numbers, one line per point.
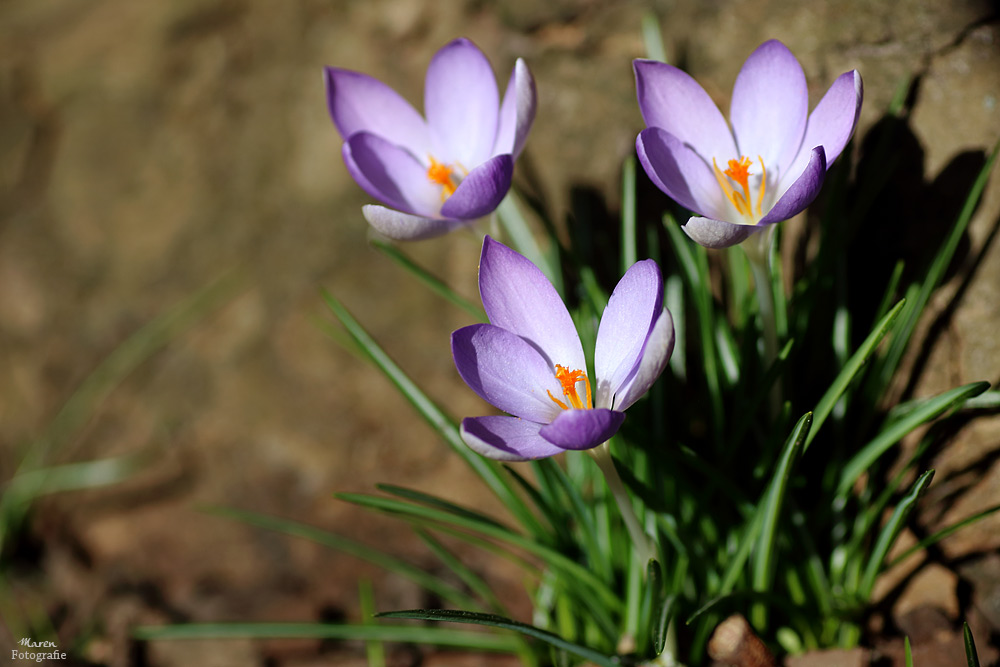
pixel 971 655
pixel 440 503
pixel 652 38
pixel 764 554
pixel 431 281
pixel 410 634
pixel 936 272
pixel 468 576
pixel 374 648
pixel 523 240
pixel 629 251
pixel 943 533
pixel 344 545
pixel 850 370
pixel 490 472
pixel 571 570
pixel 887 537
pixel 492 620
pixel 895 431
pixel 673 292
pixel 578 512
pixel 30 485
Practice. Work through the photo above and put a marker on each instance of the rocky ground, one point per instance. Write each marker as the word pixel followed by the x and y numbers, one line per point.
pixel 148 150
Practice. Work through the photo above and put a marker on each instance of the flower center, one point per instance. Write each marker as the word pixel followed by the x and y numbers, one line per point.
pixel 568 380
pixel 443 175
pixel 738 175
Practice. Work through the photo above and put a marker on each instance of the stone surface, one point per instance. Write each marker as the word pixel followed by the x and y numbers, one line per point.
pixel 148 149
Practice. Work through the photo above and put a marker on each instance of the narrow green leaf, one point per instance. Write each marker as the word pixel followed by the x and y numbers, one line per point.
pixel 439 503
pixel 846 375
pixel 652 38
pixel 479 641
pixel 943 533
pixel 907 652
pixel 522 239
pixel 489 471
pixel 629 251
pixel 661 626
pixel 431 281
pixel 494 621
pixel 764 554
pixel 348 546
pixel 895 431
pixel 889 534
pixel 374 648
pixel 971 655
pixel 469 577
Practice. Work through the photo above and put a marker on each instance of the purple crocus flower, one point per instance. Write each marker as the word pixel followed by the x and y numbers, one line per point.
pixel 443 172
pixel 529 361
pixel 768 168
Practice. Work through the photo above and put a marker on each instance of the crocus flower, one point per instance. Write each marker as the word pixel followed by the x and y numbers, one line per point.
pixel 436 174
pixel 529 361
pixel 768 168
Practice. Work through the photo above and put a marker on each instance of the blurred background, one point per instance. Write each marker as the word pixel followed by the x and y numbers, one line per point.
pixel 172 202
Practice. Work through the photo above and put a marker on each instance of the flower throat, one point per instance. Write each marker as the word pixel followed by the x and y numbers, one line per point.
pixel 568 380
pixel 738 172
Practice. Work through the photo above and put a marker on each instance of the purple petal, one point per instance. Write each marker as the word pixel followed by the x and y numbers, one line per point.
pixel 670 99
pixel 625 325
pixel 462 104
pixel 506 371
pixel 406 227
pixel 832 122
pixel 517 112
pixel 506 438
pixel 395 176
pixel 769 107
pixel 656 354
pixel 481 191
pixel 582 429
pixel 518 297
pixel 680 172
pixel 716 233
pixel 800 193
pixel 360 103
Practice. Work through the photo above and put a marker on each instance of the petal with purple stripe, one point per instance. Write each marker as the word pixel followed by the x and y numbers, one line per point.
pixel 680 172
pixel 519 298
pixel 506 371
pixel 398 178
pixel 406 227
pixel 582 429
pixel 832 123
pixel 800 193
pixel 654 358
pixel 517 112
pixel 506 438
pixel 481 191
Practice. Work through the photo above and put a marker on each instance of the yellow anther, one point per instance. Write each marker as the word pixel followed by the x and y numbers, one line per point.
pixel 738 172
pixel 443 175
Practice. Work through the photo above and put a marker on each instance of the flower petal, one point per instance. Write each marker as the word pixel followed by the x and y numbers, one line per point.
pixel 654 358
pixel 832 122
pixel 680 172
pixel 406 227
pixel 518 297
pixel 395 176
pixel 800 193
pixel 582 429
pixel 716 233
pixel 462 103
pixel 625 325
pixel 670 99
pixel 517 111
pixel 506 438
pixel 481 191
pixel 769 107
pixel 506 371
pixel 360 103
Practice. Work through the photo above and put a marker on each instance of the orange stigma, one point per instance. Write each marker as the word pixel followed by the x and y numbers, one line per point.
pixel 568 380
pixel 739 173
pixel 442 175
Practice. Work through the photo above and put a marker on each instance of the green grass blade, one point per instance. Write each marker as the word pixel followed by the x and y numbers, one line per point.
pixel 439 503
pixel 764 553
pixel 943 533
pixel 374 648
pixel 895 431
pixel 889 534
pixel 847 374
pixel 907 652
pixel 971 655
pixel 431 281
pixel 469 577
pixel 936 271
pixel 652 38
pixel 522 239
pixel 480 641
pixel 350 547
pixel 28 486
pixel 673 291
pixel 570 569
pixel 494 621
pixel 629 251
pixel 490 472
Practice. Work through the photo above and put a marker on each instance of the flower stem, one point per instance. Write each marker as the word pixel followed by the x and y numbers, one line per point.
pixel 758 251
pixel 643 545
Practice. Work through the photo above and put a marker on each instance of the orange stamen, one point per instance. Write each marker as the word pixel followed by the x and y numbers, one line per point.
pixel 442 175
pixel 738 172
pixel 568 380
